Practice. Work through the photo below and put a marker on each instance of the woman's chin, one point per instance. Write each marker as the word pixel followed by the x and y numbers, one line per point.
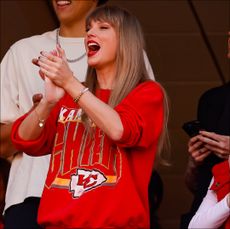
pixel 92 64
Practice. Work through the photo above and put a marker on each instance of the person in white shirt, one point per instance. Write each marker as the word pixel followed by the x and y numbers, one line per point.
pixel 214 211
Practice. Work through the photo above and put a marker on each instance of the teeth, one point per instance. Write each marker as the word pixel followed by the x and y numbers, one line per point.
pixel 92 44
pixel 62 3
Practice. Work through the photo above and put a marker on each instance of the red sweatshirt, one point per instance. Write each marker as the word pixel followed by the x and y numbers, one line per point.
pixel 92 181
pixel 221 184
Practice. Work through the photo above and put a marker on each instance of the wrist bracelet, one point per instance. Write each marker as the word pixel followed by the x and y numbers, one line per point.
pixel 41 122
pixel 85 89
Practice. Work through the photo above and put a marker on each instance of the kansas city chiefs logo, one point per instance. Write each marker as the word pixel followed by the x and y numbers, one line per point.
pixel 84 180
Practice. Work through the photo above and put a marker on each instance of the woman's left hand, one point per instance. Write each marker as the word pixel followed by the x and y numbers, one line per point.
pixel 56 68
pixel 218 144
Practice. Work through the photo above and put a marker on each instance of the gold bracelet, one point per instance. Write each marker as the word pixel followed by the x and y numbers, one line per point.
pixel 41 122
pixel 85 89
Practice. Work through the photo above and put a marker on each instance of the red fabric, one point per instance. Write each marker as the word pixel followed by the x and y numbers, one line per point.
pixel 93 182
pixel 221 184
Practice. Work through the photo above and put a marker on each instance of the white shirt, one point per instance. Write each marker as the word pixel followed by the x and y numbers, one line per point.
pixel 19 82
pixel 211 213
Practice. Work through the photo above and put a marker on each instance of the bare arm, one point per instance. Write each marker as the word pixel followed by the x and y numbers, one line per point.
pixel 197 154
pixel 191 175
pixel 29 128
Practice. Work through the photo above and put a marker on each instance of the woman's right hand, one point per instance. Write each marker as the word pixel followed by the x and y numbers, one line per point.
pixel 53 93
pixel 55 67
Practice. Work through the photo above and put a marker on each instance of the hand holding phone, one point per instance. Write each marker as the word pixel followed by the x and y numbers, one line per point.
pixel 196 147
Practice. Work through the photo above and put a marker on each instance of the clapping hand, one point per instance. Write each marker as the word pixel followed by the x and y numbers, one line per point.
pixel 56 68
pixel 53 93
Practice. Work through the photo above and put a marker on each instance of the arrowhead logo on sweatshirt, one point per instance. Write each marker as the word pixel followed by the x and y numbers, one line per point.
pixel 85 180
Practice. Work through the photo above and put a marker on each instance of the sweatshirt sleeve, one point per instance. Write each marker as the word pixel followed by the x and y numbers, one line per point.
pixel 211 214
pixel 44 143
pixel 141 113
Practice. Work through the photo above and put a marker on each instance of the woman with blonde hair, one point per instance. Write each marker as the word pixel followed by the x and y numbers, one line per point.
pixel 103 134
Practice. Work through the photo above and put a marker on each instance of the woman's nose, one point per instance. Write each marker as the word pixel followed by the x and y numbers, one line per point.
pixel 91 32
pixel 90 35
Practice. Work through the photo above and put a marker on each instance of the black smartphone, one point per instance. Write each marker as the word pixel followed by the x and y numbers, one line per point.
pixel 192 128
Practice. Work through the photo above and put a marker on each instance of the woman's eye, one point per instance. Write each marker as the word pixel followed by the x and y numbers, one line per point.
pixel 104 27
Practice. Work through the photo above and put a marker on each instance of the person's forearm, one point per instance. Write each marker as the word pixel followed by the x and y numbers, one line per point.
pixel 6 147
pixel 100 113
pixel 191 174
pixel 32 126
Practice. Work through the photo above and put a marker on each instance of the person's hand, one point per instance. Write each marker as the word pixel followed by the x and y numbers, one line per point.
pixel 218 144
pixel 36 99
pixel 197 150
pixel 53 93
pixel 55 67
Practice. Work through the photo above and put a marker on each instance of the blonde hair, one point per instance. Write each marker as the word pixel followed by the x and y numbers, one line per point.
pixel 130 64
pixel 163 156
